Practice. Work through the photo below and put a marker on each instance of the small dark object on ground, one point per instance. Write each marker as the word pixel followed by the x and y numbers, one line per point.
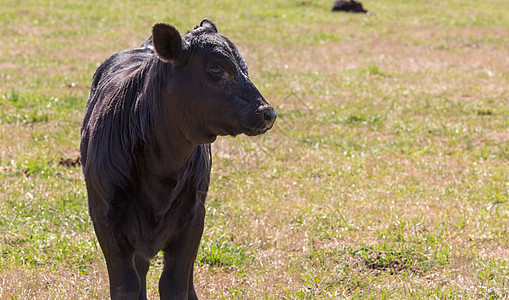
pixel 69 162
pixel 348 6
pixel 151 116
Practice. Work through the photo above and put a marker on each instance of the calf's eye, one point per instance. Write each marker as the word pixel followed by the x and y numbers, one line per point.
pixel 216 71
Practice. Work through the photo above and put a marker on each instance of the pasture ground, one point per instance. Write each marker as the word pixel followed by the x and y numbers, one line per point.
pixel 385 177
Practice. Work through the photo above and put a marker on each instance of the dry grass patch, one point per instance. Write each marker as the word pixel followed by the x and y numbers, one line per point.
pixel 40 283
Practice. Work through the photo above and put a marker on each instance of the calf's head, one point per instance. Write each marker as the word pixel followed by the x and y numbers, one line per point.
pixel 208 88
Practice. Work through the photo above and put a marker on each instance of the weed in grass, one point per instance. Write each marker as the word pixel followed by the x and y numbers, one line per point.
pixel 222 253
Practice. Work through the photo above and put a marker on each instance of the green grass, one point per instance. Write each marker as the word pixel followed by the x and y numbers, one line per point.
pixel 385 177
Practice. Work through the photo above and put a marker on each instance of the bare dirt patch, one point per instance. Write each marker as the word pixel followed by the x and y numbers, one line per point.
pixel 391 262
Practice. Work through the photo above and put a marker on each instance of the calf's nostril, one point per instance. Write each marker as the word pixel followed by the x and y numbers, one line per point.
pixel 270 116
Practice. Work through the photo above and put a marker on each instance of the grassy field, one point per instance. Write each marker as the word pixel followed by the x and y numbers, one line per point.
pixel 385 177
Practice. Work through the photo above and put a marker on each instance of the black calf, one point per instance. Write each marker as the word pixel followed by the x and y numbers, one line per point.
pixel 150 117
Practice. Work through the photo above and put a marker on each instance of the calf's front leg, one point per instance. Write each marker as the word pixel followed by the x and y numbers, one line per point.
pixel 124 279
pixel 176 281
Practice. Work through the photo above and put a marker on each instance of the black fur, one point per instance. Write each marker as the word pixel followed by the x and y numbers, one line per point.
pixel 348 6
pixel 151 115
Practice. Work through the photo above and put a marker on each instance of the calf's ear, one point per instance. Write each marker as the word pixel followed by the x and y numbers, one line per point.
pixel 167 42
pixel 210 24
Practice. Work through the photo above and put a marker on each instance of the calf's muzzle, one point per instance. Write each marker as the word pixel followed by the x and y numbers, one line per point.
pixel 269 116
